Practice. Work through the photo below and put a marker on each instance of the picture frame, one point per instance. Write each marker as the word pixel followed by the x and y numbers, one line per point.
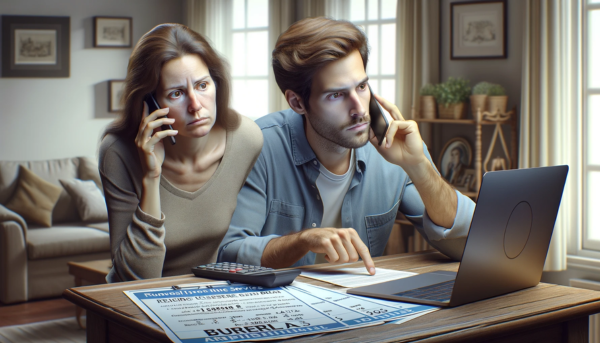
pixel 467 181
pixel 112 32
pixel 115 95
pixel 455 158
pixel 36 46
pixel 478 30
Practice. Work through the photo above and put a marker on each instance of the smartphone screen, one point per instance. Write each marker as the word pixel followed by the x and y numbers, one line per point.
pixel 380 120
pixel 153 106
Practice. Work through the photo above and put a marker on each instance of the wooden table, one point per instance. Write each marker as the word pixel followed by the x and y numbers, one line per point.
pixel 89 272
pixel 545 313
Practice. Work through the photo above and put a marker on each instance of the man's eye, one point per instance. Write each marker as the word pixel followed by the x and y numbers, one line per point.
pixel 335 95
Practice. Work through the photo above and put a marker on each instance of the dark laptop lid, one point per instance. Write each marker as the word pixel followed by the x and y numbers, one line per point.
pixel 510 232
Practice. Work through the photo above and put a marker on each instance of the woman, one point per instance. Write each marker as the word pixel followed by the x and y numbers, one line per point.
pixel 169 205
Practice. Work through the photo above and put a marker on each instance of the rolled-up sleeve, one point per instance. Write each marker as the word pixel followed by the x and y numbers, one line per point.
pixel 243 242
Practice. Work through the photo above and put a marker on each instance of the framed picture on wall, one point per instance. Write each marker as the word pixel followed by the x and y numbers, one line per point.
pixel 115 95
pixel 112 32
pixel 35 46
pixel 478 30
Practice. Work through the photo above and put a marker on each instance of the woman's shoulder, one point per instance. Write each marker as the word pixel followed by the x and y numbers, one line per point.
pixel 114 148
pixel 248 134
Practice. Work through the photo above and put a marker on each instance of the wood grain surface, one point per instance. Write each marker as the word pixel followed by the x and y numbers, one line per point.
pixel 552 312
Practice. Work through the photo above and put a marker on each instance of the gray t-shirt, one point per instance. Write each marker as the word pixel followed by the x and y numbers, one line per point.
pixel 192 224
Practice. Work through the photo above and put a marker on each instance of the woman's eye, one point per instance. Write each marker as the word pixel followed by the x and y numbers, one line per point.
pixel 202 85
pixel 363 86
pixel 175 94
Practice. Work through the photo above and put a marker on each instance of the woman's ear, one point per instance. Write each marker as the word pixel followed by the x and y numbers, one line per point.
pixel 295 102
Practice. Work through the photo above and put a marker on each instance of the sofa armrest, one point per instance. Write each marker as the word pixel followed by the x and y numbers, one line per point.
pixel 7 215
pixel 13 257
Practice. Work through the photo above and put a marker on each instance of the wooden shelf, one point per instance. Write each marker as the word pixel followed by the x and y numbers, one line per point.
pixel 477 123
pixel 459 121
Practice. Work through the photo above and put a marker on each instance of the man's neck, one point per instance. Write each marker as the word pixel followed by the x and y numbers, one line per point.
pixel 332 156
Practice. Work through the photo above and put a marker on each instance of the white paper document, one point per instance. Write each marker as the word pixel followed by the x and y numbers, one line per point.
pixel 354 277
pixel 217 312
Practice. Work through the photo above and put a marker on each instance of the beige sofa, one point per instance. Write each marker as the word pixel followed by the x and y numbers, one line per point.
pixel 33 258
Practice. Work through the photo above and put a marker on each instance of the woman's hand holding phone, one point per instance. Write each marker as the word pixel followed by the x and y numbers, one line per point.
pixel 149 140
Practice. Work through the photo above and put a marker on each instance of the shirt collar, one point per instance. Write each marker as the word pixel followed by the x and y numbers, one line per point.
pixel 301 150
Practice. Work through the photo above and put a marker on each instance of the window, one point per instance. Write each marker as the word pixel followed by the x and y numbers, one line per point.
pixel 591 125
pixel 250 57
pixel 378 19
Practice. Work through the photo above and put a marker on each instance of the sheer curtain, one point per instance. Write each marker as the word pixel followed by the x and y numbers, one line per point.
pixel 549 126
pixel 417 44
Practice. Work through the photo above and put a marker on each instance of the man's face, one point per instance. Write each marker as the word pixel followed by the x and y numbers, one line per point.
pixel 339 102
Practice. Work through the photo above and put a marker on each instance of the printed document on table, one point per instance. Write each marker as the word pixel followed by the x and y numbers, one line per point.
pixel 378 309
pixel 209 312
pixel 354 277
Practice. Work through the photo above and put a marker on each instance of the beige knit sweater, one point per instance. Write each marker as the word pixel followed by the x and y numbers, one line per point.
pixel 192 224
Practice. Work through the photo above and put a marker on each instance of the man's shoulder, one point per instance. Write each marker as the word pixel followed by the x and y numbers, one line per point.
pixel 276 119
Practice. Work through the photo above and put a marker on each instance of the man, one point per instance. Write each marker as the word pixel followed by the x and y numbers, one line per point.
pixel 319 186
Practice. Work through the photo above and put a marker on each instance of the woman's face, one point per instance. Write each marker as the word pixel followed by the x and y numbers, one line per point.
pixel 189 92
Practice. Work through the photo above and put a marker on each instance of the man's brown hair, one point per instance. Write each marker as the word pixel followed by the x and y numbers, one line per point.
pixel 164 43
pixel 309 45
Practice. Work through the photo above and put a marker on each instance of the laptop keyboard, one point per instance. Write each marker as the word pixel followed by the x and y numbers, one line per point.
pixel 436 292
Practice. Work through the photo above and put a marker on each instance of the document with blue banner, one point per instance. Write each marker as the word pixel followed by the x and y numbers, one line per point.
pixel 221 312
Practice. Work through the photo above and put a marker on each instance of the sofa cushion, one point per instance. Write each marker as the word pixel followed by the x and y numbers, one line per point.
pixel 88 170
pixel 51 171
pixel 88 199
pixel 62 240
pixel 34 198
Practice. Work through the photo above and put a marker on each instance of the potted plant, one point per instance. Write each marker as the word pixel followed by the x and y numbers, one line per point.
pixel 428 101
pixel 479 97
pixel 497 99
pixel 451 97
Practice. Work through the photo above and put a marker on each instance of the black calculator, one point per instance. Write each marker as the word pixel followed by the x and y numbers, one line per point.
pixel 244 273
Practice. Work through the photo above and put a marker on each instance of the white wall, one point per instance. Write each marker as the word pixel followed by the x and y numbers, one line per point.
pixel 43 118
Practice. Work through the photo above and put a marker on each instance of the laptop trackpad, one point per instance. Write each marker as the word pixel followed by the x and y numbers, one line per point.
pixel 408 283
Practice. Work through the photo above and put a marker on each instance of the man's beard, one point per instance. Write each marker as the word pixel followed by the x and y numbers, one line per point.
pixel 340 135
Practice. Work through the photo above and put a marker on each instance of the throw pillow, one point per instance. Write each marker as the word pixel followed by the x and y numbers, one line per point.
pixel 34 198
pixel 88 199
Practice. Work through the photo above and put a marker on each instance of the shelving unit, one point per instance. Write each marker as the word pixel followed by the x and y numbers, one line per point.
pixel 478 122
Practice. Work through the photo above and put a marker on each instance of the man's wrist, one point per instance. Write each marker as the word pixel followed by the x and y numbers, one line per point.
pixel 419 172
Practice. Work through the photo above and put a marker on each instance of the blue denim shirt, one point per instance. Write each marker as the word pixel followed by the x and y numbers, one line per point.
pixel 280 196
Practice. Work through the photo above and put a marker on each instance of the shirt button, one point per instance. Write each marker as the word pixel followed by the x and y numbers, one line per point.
pixel 315 162
pixel 313 186
pixel 314 224
pixel 318 197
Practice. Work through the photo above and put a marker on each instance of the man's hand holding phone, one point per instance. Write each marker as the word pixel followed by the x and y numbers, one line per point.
pixel 403 145
pixel 149 139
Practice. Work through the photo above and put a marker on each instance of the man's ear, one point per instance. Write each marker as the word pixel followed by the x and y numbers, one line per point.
pixel 295 102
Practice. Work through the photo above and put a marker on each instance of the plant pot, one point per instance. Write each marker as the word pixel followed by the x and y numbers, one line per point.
pixel 497 104
pixel 478 101
pixel 427 107
pixel 452 111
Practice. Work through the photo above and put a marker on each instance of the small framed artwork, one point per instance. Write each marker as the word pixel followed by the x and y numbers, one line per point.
pixel 456 157
pixel 467 181
pixel 112 32
pixel 35 46
pixel 115 95
pixel 478 30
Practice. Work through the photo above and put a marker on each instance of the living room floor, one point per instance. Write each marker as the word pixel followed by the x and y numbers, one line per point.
pixel 36 311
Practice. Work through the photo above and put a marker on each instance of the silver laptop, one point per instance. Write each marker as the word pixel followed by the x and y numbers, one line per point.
pixel 506 247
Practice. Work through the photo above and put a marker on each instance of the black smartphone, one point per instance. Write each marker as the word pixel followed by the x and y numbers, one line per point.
pixel 380 119
pixel 153 106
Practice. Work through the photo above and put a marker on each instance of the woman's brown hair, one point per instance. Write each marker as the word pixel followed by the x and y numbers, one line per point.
pixel 163 43
pixel 310 44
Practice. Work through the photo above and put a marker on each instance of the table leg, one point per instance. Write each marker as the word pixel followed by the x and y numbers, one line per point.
pixel 79 310
pixel 96 328
pixel 578 330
